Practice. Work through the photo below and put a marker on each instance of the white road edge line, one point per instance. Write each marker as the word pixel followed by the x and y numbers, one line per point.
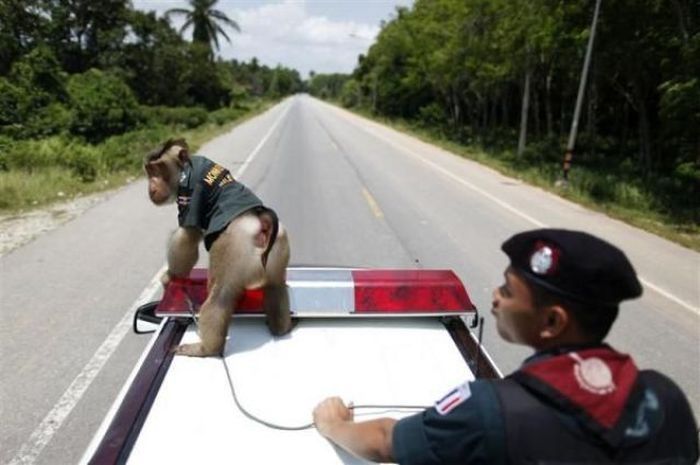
pixel 52 422
pixel 262 142
pixel 669 296
pixel 515 211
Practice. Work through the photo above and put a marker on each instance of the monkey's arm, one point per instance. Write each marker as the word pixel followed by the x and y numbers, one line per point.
pixel 371 440
pixel 183 251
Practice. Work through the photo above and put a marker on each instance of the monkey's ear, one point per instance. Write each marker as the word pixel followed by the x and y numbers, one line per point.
pixel 151 169
pixel 183 155
pixel 156 169
pixel 181 142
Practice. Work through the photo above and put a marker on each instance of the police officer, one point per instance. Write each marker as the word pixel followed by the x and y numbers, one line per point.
pixel 576 400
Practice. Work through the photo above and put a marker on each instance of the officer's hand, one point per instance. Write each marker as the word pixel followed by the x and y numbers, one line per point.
pixel 329 413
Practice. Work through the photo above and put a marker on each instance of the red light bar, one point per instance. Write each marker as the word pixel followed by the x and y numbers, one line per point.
pixel 334 292
pixel 409 291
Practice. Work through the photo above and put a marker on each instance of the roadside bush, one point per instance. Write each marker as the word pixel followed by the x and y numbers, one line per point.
pixel 103 105
pixel 239 94
pixel 33 97
pixel 225 115
pixel 83 161
pixel 432 115
pixel 126 151
pixel 350 94
pixel 188 117
pixel 6 144
pixel 40 75
pixel 54 118
pixel 11 102
pixel 32 155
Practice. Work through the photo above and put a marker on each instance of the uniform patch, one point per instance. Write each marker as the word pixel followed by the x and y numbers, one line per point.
pixel 593 375
pixel 453 398
pixel 596 381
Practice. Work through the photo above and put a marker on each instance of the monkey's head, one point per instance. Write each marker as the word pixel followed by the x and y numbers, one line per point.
pixel 163 167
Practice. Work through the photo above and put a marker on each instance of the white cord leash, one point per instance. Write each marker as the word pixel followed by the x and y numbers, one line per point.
pixel 256 419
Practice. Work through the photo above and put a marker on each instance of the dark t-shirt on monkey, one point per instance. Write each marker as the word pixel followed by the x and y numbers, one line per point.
pixel 208 198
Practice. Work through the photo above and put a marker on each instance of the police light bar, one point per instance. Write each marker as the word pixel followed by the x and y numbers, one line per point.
pixel 338 292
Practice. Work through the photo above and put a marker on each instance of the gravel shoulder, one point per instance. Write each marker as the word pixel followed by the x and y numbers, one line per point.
pixel 17 229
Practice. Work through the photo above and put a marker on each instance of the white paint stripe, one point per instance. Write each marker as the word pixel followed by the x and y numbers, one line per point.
pixel 515 211
pixel 53 421
pixel 459 180
pixel 107 421
pixel 669 296
pixel 255 151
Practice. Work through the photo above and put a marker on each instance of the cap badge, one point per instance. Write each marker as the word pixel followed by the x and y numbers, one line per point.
pixel 593 375
pixel 544 260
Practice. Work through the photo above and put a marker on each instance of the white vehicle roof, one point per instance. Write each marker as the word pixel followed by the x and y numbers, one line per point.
pixel 406 361
pixel 195 419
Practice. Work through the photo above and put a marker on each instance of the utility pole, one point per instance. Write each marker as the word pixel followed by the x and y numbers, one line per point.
pixel 569 154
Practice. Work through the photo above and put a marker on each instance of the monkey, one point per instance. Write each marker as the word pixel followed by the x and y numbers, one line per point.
pixel 248 246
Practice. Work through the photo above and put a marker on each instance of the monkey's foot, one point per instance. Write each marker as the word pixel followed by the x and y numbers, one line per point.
pixel 194 350
pixel 281 329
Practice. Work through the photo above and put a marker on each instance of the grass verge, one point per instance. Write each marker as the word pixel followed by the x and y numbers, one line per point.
pixel 57 169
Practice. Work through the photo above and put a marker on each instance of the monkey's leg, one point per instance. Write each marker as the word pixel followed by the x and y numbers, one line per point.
pixel 275 297
pixel 183 251
pixel 226 284
pixel 214 318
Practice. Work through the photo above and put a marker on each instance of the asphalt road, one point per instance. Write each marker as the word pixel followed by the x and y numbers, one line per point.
pixel 351 192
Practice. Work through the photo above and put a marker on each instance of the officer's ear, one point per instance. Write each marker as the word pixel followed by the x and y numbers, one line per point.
pixel 556 321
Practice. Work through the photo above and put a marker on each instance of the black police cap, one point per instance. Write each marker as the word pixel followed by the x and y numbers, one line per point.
pixel 574 265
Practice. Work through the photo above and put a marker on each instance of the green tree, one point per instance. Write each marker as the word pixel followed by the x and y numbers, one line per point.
pixel 20 30
pixel 206 80
pixel 155 61
pixel 34 97
pixel 205 21
pixel 284 82
pixel 86 33
pixel 103 105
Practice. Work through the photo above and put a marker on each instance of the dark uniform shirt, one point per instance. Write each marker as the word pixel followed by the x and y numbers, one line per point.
pixel 470 425
pixel 208 198
pixel 472 432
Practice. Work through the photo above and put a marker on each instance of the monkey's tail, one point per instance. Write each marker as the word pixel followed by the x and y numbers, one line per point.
pixel 273 234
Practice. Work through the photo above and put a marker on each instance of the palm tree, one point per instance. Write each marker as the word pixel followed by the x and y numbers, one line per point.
pixel 204 20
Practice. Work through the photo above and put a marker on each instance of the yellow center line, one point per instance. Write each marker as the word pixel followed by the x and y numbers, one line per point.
pixel 372 204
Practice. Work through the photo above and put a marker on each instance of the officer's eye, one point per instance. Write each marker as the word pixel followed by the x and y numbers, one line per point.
pixel 504 291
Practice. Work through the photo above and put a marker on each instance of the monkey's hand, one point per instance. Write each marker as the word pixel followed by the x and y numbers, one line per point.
pixel 165 279
pixel 329 413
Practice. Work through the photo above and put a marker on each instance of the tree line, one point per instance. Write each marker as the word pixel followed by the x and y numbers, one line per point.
pixel 95 68
pixel 479 71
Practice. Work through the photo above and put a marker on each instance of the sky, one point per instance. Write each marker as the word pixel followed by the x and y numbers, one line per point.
pixel 324 36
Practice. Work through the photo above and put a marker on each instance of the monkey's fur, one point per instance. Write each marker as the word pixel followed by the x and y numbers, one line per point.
pixel 243 254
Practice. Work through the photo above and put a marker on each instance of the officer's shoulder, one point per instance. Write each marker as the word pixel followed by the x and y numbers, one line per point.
pixel 661 384
pixel 483 390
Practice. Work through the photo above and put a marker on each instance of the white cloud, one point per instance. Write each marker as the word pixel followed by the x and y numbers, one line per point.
pixel 287 33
